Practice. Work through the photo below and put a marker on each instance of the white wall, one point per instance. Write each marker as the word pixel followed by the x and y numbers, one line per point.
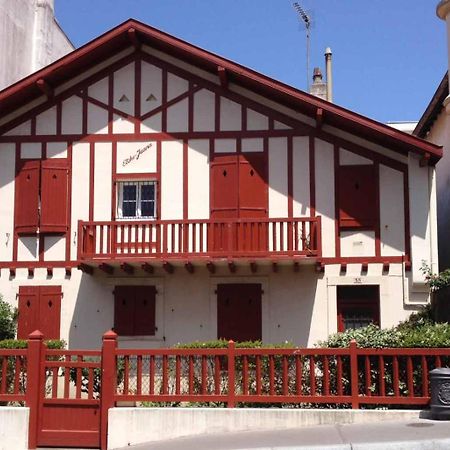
pixel 7 176
pixel 14 428
pixel 324 170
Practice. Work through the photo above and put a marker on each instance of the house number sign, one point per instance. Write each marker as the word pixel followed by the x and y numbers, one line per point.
pixel 135 156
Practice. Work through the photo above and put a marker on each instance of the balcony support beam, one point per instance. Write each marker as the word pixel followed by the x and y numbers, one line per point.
pixel 232 266
pixel 274 267
pixel 296 266
pixel 253 267
pixel 168 267
pixel 109 270
pixel 189 267
pixel 86 268
pixel 211 267
pixel 127 268
pixel 146 267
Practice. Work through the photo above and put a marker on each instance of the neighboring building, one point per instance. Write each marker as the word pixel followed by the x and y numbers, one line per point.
pixel 154 187
pixel 30 38
pixel 434 127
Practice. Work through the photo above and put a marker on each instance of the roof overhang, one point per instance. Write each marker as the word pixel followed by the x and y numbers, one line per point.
pixel 136 33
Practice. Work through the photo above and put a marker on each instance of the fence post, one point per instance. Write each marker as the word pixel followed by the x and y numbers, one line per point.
pixel 231 374
pixel 108 383
pixel 354 374
pixel 34 357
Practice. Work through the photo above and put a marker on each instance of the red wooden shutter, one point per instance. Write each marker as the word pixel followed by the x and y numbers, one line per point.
pixel 54 196
pixel 27 197
pixel 28 319
pixel 50 311
pixel 144 312
pixel 239 314
pixel 253 193
pixel 124 310
pixel 224 179
pixel 357 196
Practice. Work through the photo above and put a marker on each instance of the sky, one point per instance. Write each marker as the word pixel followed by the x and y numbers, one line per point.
pixel 388 55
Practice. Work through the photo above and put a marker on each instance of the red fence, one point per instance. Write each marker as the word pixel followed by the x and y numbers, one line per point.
pixel 69 392
pixel 219 238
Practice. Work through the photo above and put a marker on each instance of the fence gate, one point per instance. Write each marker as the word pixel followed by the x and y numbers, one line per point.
pixel 69 399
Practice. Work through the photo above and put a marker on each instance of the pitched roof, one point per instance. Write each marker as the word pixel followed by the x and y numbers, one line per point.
pixel 132 30
pixel 433 109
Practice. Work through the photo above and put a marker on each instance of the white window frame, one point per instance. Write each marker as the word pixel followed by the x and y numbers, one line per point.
pixel 138 184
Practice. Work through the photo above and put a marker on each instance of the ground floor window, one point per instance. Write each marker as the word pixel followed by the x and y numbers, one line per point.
pixel 134 310
pixel 39 309
pixel 239 312
pixel 357 306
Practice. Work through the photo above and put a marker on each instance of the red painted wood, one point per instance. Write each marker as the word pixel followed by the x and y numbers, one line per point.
pixel 134 310
pixel 357 196
pixel 50 311
pixel 27 197
pixel 54 196
pixel 239 312
pixel 124 310
pixel 39 309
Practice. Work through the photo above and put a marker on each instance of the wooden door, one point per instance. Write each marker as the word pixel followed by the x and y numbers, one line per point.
pixel 239 314
pixel 238 191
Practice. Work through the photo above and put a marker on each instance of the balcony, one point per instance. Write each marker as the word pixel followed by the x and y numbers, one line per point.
pixel 197 239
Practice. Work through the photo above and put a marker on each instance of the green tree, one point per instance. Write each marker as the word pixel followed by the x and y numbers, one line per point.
pixel 8 316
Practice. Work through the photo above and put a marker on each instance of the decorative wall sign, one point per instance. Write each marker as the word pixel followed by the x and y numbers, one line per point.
pixel 136 157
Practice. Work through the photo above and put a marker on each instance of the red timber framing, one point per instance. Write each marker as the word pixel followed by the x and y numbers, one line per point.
pixel 229 74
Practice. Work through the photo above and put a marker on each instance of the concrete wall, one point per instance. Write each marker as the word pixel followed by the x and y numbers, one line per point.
pixel 132 426
pixel 14 428
pixel 30 38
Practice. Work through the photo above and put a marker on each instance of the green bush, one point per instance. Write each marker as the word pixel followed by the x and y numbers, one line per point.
pixel 8 320
pixel 222 343
pixel 23 343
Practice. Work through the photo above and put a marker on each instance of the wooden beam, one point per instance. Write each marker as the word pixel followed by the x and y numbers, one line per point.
pixel 319 118
pixel 127 268
pixel 68 272
pixel 223 76
pixel 168 267
pixel 44 87
pixel 343 268
pixel 106 268
pixel 146 267
pixel 364 266
pixel 30 272
pixel 211 267
pixel 189 267
pixel 386 266
pixel 232 266
pixel 49 271
pixel 12 272
pixel 296 266
pixel 86 268
pixel 425 160
pixel 320 267
pixel 274 267
pixel 253 267
pixel 134 39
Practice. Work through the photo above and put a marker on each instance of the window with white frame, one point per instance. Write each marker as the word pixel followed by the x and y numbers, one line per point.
pixel 136 200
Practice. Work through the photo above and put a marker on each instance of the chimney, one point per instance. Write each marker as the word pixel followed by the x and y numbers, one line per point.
pixel 329 83
pixel 318 87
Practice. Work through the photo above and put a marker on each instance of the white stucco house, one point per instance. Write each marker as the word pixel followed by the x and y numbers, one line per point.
pixel 156 188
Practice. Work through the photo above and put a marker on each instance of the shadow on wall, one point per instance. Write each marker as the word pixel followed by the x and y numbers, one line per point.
pixel 93 314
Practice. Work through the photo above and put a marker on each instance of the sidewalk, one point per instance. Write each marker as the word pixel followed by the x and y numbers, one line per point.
pixel 408 435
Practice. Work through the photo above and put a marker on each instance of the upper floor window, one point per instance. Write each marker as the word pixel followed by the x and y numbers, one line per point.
pixel 136 200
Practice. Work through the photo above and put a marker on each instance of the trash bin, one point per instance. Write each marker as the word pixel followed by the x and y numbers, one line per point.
pixel 440 393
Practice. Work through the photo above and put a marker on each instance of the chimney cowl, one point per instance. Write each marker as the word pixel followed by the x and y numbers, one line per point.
pixel 317 75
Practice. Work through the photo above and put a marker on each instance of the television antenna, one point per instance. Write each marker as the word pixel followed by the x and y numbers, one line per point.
pixel 306 19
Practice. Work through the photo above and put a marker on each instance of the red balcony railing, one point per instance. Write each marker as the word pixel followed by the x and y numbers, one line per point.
pixel 225 238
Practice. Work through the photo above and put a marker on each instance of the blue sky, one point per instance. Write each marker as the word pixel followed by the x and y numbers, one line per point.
pixel 388 55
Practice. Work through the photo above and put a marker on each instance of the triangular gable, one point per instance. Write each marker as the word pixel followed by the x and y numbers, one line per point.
pixel 137 34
